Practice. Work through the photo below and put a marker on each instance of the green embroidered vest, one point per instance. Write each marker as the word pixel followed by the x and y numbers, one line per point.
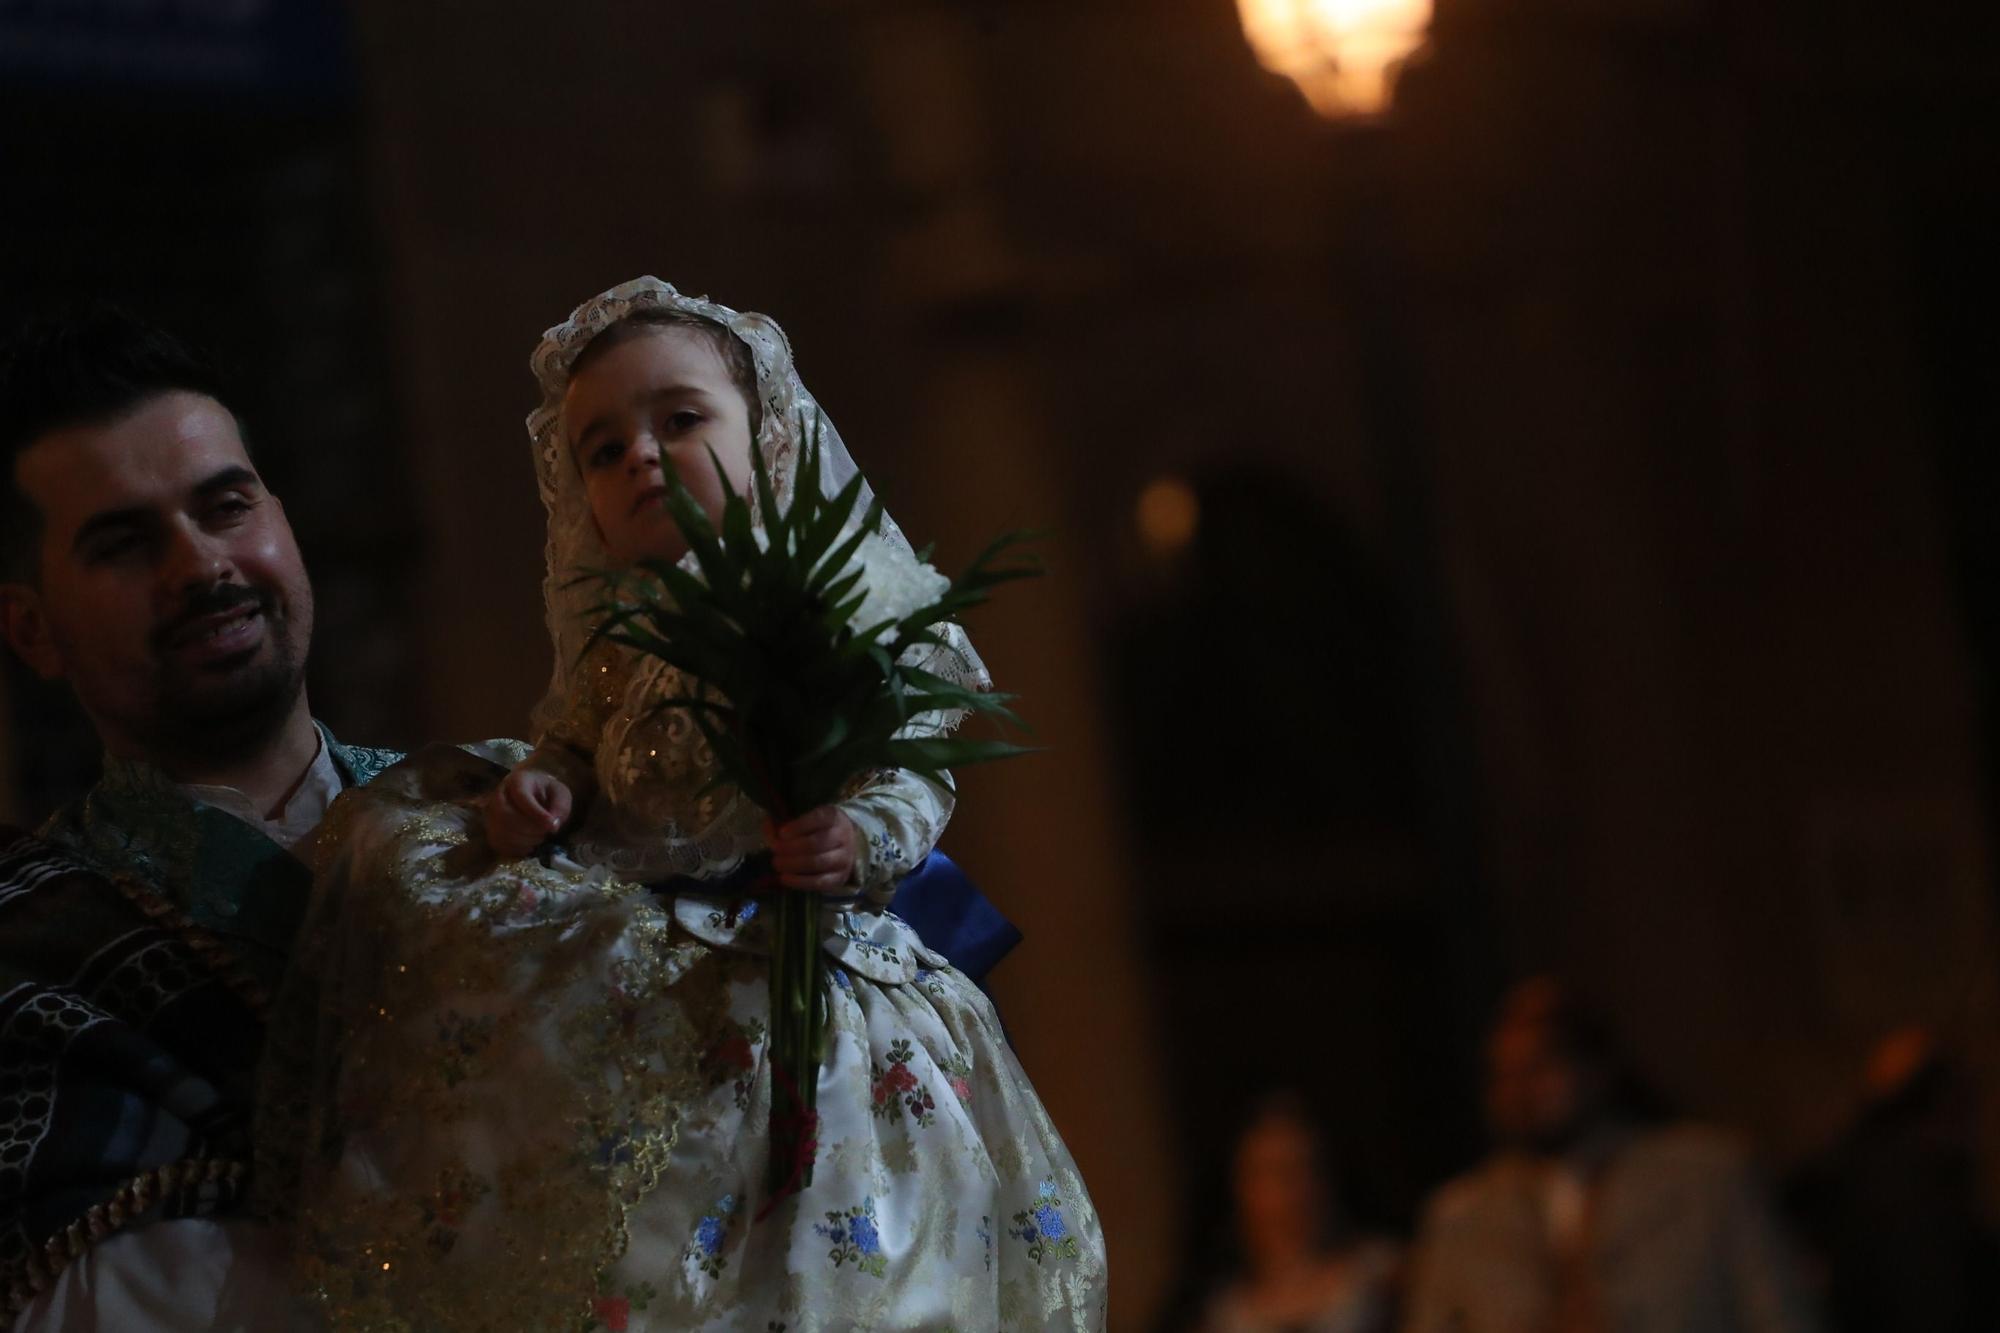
pixel 229 877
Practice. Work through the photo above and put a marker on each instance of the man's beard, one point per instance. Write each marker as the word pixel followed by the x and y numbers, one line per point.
pixel 222 713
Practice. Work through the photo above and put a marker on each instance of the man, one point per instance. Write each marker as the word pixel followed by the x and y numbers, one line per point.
pixel 146 564
pixel 1589 1219
pixel 143 561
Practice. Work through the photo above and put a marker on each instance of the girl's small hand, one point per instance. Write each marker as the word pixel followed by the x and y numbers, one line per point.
pixel 528 807
pixel 814 852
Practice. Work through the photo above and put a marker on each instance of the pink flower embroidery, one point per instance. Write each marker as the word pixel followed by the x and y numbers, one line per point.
pixel 897 1089
pixel 734 1053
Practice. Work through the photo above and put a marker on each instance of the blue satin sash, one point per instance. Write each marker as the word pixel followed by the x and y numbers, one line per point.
pixel 949 913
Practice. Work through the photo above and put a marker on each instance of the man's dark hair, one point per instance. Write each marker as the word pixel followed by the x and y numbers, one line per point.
pixel 83 366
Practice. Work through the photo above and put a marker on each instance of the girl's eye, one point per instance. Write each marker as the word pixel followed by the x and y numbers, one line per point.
pixel 606 452
pixel 684 420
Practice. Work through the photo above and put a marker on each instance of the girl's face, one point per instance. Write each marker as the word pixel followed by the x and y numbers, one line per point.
pixel 649 408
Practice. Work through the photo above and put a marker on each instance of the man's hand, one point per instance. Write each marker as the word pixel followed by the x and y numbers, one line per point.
pixel 528 808
pixel 814 852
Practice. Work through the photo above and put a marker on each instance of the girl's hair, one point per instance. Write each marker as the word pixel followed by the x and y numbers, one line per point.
pixel 735 353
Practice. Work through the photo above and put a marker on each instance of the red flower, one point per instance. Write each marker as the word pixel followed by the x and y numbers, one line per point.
pixel 734 1053
pixel 900 1078
pixel 962 1088
pixel 881 1093
pixel 612 1312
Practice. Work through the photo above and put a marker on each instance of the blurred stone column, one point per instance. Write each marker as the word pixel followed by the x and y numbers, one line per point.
pixel 1043 834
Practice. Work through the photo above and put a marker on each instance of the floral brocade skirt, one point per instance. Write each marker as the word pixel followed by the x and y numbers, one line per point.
pixel 526 1096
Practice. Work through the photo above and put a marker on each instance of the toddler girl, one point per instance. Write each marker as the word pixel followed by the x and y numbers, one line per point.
pixel 540 1092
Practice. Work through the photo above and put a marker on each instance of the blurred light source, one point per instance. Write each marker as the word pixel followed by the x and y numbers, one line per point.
pixel 1168 514
pixel 1343 54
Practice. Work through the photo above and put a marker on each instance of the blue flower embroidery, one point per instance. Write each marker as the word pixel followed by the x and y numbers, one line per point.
pixel 737 915
pixel 847 932
pixel 709 1236
pixel 887 853
pixel 1042 1229
pixel 856 1237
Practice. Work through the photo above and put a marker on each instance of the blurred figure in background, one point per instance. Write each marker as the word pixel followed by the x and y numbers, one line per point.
pixel 1594 1215
pixel 1892 1209
pixel 1302 1268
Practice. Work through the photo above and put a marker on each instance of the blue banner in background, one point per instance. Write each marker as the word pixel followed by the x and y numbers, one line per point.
pixel 269 49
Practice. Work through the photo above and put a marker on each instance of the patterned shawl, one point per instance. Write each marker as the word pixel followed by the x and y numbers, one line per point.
pixel 136 959
pixel 128 1044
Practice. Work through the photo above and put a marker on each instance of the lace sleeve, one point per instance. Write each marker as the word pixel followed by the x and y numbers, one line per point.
pixel 899 817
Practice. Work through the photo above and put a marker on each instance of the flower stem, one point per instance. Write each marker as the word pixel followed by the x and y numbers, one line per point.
pixel 798 1020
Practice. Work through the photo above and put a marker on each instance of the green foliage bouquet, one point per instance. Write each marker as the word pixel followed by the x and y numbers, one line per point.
pixel 800 632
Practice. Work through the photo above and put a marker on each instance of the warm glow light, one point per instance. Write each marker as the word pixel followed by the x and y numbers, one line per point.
pixel 1168 514
pixel 1343 54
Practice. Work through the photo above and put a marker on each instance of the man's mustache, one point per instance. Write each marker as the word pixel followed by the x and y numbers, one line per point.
pixel 218 600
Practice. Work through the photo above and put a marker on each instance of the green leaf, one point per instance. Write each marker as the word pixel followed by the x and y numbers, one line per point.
pixel 842 554
pixel 941 752
pixel 822 559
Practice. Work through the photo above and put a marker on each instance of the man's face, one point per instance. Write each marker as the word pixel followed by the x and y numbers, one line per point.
pixel 170 592
pixel 1280 1199
pixel 1536 1094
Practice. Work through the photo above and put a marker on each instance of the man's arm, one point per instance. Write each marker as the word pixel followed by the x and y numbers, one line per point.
pixel 192 1275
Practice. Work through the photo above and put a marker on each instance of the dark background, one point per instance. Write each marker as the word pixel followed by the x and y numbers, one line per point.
pixel 1596 460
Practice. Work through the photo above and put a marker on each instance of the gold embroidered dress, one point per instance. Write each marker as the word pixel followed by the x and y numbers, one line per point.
pixel 534 1094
